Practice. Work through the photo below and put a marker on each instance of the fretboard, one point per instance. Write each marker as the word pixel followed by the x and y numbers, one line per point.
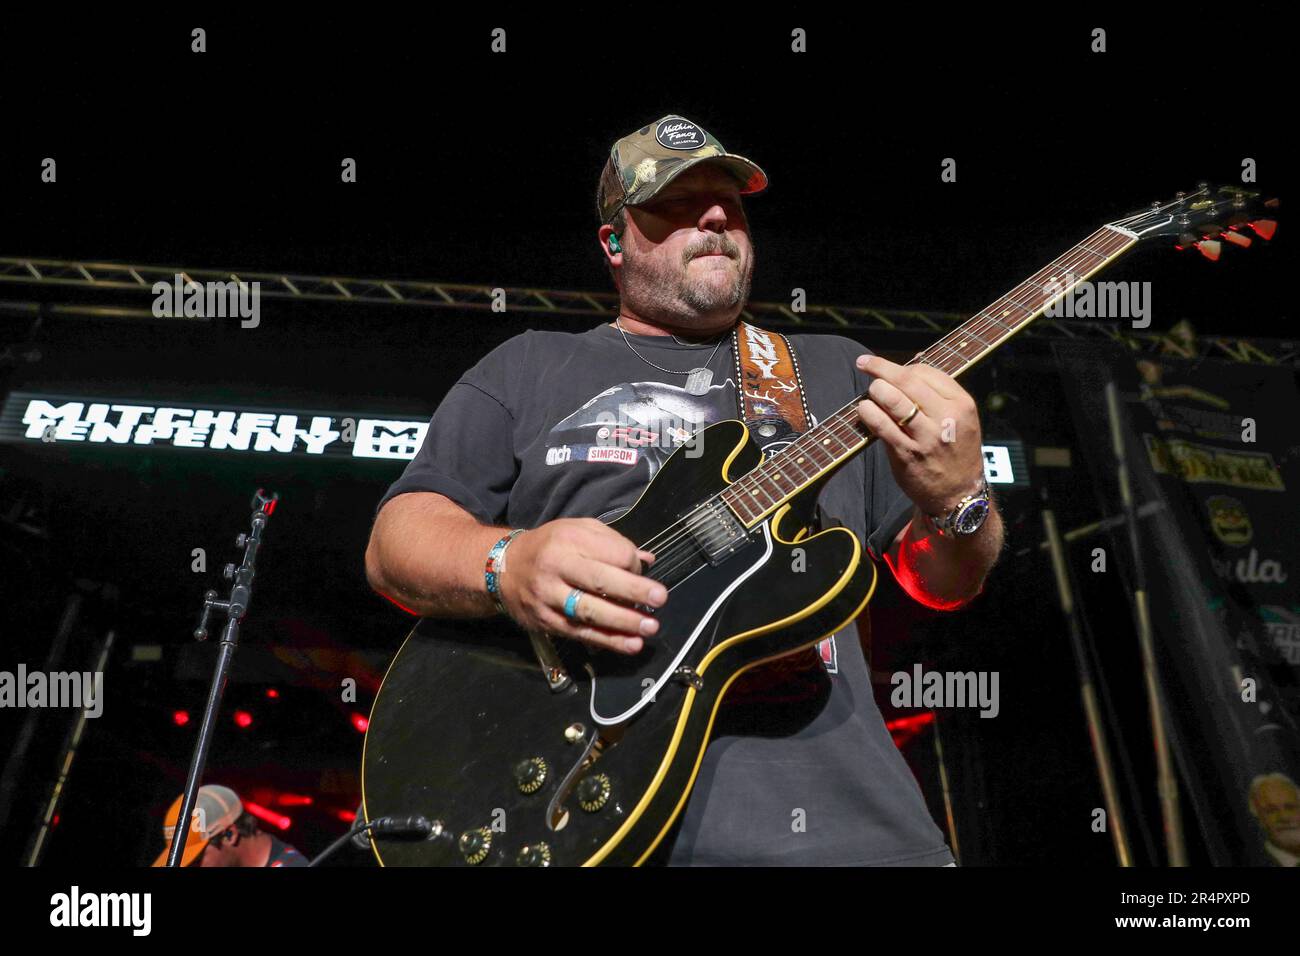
pixel 841 435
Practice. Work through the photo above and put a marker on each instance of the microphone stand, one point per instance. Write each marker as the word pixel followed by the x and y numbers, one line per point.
pixel 71 744
pixel 241 595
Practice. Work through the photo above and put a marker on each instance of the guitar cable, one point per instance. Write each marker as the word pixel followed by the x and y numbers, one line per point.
pixel 408 828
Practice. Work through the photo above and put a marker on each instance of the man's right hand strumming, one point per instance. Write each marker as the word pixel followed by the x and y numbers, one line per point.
pixel 546 564
pixel 427 554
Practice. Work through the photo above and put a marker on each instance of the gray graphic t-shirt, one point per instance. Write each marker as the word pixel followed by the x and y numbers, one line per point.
pixel 801 769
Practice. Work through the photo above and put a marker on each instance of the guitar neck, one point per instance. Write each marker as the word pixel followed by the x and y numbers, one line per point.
pixel 841 435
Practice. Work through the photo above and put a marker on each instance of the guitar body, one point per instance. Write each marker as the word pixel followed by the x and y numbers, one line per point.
pixel 612 755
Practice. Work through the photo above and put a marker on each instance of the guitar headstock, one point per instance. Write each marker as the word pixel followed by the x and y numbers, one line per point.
pixel 1206 218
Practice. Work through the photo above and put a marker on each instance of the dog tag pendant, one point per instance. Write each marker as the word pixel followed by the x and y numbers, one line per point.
pixel 697 382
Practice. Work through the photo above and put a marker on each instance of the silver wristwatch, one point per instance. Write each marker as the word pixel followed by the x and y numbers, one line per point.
pixel 968 516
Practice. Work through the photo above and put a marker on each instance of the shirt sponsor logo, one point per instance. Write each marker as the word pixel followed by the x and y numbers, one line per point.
pixel 622 456
pixel 556 456
pixel 830 657
pixel 634 435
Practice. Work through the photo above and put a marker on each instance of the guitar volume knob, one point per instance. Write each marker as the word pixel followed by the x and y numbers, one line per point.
pixel 535 854
pixel 530 774
pixel 593 792
pixel 474 845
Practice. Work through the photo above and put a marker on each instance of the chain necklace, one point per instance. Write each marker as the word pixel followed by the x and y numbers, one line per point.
pixel 697 379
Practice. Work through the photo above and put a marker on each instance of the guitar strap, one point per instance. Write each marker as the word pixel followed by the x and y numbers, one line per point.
pixel 770 394
pixel 769 388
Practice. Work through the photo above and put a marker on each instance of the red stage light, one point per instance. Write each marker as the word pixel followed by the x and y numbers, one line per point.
pixel 270 816
pixel 360 722
pixel 399 604
pixel 913 722
pixel 903 729
pixel 911 581
pixel 243 718
pixel 272 693
pixel 347 816
pixel 293 800
pixel 180 717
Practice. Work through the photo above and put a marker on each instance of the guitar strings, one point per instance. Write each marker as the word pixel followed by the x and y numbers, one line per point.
pixel 670 557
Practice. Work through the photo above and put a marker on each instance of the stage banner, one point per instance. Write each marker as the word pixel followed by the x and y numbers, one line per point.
pixel 1217 444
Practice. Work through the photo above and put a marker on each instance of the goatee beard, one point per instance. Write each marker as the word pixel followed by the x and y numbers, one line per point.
pixel 680 301
pixel 713 299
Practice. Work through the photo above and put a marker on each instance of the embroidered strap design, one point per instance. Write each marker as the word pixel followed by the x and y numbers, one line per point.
pixel 769 388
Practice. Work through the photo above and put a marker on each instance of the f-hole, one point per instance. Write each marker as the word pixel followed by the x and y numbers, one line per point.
pixel 557 814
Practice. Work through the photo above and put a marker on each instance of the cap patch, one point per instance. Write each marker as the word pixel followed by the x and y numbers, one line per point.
pixel 679 134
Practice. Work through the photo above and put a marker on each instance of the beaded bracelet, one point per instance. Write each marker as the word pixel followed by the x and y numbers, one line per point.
pixel 496 566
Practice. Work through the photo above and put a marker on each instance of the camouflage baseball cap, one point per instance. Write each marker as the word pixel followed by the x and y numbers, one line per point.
pixel 649 159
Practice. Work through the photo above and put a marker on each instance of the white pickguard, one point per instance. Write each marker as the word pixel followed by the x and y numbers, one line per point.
pixel 647 696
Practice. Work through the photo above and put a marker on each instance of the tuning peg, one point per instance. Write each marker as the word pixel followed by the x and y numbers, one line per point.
pixel 1210 248
pixel 1264 227
pixel 1236 238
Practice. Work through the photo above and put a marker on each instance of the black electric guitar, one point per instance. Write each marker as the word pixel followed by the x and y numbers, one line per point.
pixel 528 751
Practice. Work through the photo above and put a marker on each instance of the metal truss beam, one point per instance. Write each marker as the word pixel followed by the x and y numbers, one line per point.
pixel 109 276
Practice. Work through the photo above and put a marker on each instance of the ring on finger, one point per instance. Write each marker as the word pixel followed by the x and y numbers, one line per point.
pixel 902 422
pixel 571 604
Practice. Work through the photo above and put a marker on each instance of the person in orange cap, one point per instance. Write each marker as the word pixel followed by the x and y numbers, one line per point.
pixel 223 833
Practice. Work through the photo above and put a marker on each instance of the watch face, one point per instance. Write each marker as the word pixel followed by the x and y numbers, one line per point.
pixel 971 517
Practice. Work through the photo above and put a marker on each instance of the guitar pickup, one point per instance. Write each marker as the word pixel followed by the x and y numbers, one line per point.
pixel 716 531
